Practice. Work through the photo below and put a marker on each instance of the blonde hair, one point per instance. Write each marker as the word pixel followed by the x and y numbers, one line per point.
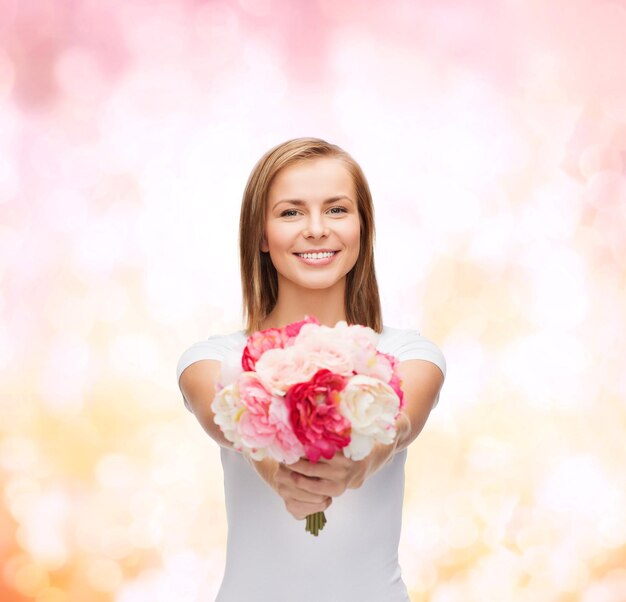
pixel 259 280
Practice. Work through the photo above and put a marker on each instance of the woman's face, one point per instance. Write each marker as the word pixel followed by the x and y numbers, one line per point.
pixel 312 226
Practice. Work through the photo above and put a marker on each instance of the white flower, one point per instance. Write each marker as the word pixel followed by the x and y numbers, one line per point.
pixel 371 407
pixel 228 408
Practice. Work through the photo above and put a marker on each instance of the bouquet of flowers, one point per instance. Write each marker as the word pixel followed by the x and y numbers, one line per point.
pixel 308 390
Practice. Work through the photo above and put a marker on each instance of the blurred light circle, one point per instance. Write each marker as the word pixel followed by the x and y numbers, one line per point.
pixel 459 503
pixel 7 71
pixel 110 302
pixel 66 210
pixel 612 529
pixel 30 578
pixel 606 189
pixel 257 8
pixel 423 578
pixel 145 503
pixel 45 155
pixel 79 76
pixel 597 158
pixel 44 528
pixel 145 533
pixel 134 354
pixel 425 536
pixel 615 105
pixel 536 560
pixel 611 587
pixel 20 493
pixel 568 573
pixel 115 543
pixel 104 575
pixel 216 20
pixel 116 471
pixel 65 375
pixel 460 532
pixel 71 314
pixel 80 166
pixel 560 296
pixel 18 454
pixel 52 594
pixel 99 247
pixel 488 454
pixel 87 535
pixel 9 179
pixel 579 485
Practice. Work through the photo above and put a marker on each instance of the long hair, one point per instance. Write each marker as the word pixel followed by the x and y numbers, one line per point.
pixel 259 280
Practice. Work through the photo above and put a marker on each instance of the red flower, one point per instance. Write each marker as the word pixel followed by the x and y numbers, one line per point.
pixel 314 415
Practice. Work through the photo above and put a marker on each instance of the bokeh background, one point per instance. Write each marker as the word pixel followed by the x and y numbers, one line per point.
pixel 493 135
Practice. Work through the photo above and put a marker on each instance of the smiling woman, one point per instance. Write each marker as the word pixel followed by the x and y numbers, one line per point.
pixel 306 242
pixel 332 173
pixel 312 222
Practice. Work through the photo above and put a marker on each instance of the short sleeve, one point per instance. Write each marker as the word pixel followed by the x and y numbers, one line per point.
pixel 214 348
pixel 411 345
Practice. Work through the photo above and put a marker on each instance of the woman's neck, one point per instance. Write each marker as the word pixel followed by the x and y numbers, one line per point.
pixel 293 303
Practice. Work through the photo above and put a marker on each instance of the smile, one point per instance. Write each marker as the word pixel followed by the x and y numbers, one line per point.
pixel 323 258
pixel 316 255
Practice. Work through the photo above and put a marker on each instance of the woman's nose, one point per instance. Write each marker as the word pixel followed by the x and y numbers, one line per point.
pixel 316 227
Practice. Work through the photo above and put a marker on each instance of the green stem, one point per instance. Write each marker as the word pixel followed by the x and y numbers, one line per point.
pixel 315 523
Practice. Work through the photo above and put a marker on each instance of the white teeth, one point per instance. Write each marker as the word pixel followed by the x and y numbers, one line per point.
pixel 316 255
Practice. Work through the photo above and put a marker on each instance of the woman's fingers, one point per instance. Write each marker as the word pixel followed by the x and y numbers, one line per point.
pixel 300 502
pixel 293 487
pixel 300 510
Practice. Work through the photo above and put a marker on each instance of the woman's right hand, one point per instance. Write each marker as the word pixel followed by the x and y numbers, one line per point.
pixel 299 502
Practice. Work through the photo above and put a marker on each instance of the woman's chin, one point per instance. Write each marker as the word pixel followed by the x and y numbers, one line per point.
pixel 319 283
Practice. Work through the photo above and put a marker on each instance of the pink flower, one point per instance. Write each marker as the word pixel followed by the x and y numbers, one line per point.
pixel 395 382
pixel 363 336
pixel 279 369
pixel 263 427
pixel 315 417
pixel 291 331
pixel 375 364
pixel 357 342
pixel 258 343
pixel 334 354
pixel 255 427
pixel 286 447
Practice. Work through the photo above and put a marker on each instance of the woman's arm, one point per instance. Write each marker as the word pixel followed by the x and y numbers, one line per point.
pixel 197 383
pixel 421 383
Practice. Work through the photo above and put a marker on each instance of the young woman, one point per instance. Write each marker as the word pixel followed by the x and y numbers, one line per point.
pixel 306 247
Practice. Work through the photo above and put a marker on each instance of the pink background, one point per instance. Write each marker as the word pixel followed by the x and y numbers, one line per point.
pixel 493 135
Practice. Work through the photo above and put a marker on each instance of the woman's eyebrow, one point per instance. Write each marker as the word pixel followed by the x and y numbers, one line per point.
pixel 300 202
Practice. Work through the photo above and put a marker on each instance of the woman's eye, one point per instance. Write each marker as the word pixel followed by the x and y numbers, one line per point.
pixel 294 212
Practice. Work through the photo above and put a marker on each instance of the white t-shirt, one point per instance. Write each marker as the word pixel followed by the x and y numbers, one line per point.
pixel 269 555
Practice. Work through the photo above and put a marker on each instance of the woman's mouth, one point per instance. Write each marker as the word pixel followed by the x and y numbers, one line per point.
pixel 321 258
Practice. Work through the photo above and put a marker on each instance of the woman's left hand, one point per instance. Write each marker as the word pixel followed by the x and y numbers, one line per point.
pixel 329 477
pixel 332 477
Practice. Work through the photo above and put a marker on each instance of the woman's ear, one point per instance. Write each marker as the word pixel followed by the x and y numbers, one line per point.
pixel 264 247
